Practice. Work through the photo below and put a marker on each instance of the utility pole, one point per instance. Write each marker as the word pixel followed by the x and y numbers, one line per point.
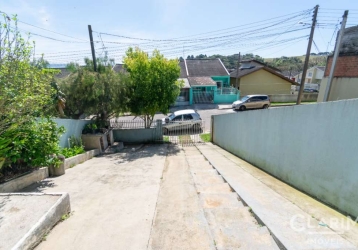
pixel 305 66
pixel 237 72
pixel 335 57
pixel 92 48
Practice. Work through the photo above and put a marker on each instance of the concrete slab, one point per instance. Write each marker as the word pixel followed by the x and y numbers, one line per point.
pixel 235 228
pixel 113 200
pixel 229 200
pixel 287 221
pixel 179 222
pixel 214 189
pixel 26 217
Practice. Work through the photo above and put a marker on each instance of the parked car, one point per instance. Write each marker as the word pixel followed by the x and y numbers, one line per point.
pixel 182 119
pixel 310 90
pixel 252 102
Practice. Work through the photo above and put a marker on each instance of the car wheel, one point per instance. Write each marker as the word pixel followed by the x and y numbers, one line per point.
pixel 265 106
pixel 242 108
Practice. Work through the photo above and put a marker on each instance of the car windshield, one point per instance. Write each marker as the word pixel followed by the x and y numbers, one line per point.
pixel 171 117
pixel 244 98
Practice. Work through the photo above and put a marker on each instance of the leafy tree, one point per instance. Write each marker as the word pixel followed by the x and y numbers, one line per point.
pixel 153 84
pixel 25 89
pixel 100 93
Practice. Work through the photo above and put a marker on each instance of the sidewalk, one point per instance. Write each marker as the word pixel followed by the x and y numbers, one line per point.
pixel 294 218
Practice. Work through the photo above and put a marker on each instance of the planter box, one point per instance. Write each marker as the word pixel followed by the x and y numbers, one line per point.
pixel 95 141
pixel 77 159
pixel 24 181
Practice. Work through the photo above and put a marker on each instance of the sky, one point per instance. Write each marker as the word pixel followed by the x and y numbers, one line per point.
pixel 266 28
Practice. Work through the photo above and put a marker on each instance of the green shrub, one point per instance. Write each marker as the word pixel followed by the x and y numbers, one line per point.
pixel 69 152
pixel 34 143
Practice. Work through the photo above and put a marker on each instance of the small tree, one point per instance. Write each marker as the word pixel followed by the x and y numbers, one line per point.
pixel 153 84
pixel 99 93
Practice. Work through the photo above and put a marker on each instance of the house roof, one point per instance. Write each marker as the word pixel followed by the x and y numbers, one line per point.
pixel 203 67
pixel 258 63
pixel 119 67
pixel 63 73
pixel 201 81
pixel 186 83
pixel 244 72
pixel 321 68
pixel 287 73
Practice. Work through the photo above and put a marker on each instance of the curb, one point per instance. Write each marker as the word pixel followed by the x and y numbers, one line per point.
pixel 34 236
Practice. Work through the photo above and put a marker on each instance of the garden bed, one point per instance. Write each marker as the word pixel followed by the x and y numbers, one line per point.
pixel 25 180
pixel 74 160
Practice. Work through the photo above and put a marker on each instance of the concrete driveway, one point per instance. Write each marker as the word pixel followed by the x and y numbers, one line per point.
pixel 113 200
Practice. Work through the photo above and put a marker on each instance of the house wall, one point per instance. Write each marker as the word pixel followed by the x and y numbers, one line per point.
pixel 346 66
pixel 342 88
pixel 72 127
pixel 224 79
pixel 320 159
pixel 263 82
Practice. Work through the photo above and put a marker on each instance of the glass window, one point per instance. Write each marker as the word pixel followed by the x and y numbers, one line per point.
pixel 187 117
pixel 245 98
pixel 177 118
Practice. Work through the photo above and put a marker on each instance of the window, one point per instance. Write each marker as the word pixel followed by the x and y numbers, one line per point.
pixel 219 84
pixel 263 98
pixel 177 118
pixel 309 73
pixel 187 117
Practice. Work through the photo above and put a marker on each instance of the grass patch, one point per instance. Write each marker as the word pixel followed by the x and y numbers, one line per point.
pixel 166 139
pixel 205 137
pixel 184 138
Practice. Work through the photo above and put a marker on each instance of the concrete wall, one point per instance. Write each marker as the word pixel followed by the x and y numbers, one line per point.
pixel 73 127
pixel 342 88
pixel 24 181
pixel 320 158
pixel 306 97
pixel 140 135
pixel 263 82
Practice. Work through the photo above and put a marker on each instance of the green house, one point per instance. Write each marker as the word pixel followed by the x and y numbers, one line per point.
pixel 205 81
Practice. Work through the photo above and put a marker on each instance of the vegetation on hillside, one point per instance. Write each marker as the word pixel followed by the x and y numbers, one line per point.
pixel 284 63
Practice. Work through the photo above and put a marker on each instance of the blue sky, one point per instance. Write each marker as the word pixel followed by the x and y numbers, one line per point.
pixel 167 19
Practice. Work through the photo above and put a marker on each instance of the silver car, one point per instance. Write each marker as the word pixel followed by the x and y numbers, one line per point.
pixel 252 102
pixel 182 119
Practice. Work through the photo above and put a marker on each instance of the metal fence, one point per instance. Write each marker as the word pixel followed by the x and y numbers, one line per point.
pixel 130 124
pixel 184 133
pixel 227 91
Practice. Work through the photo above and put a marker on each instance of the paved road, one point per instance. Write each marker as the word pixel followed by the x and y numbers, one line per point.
pixel 205 114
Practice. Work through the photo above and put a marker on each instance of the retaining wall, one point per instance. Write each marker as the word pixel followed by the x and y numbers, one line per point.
pixel 306 97
pixel 24 181
pixel 312 147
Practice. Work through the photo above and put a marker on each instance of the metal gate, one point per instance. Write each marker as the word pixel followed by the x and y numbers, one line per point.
pixel 184 133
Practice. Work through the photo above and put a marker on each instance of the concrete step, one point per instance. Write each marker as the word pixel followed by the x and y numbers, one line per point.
pixel 221 188
pixel 235 227
pixel 293 227
pixel 200 166
pixel 224 200
pixel 204 171
pixel 207 180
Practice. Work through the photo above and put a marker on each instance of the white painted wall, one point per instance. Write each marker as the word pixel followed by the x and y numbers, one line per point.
pixel 72 127
pixel 312 147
